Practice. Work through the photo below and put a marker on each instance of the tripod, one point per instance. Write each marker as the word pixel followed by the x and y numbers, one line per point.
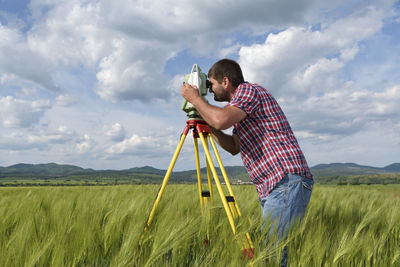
pixel 201 129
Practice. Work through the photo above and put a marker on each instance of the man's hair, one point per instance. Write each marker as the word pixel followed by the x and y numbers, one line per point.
pixel 227 68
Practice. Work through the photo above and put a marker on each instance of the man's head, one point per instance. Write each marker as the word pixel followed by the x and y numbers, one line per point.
pixel 228 76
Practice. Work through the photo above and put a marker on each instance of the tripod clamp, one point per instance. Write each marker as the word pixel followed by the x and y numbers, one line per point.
pixel 198 126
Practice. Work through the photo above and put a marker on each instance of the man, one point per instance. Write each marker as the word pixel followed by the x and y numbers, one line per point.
pixel 262 134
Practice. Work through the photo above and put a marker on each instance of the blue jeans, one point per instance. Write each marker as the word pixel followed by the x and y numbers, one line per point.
pixel 286 203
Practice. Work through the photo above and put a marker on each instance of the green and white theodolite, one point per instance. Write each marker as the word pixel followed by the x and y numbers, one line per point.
pixel 199 79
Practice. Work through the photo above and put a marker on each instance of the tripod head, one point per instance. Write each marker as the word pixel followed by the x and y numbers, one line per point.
pixel 199 79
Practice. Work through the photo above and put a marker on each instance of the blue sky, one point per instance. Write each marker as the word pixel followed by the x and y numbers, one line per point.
pixel 97 83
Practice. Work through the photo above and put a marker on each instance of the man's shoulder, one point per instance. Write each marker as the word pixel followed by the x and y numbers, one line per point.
pixel 252 86
pixel 246 87
pixel 245 98
pixel 245 90
pixel 249 90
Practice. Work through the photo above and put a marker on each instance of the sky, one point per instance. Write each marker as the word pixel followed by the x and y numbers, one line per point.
pixel 96 83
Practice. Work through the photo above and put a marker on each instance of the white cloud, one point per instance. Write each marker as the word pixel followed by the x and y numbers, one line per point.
pixel 177 20
pixel 345 113
pixel 46 138
pixel 26 92
pixel 377 145
pixel 12 20
pixel 66 100
pixel 230 50
pixel 174 87
pixel 69 33
pixel 41 139
pixel 119 49
pixel 21 113
pixel 292 52
pixel 385 104
pixel 133 71
pixel 143 146
pixel 20 87
pixel 85 144
pixel 17 58
pixel 113 39
pixel 116 133
pixel 348 54
pixel 304 70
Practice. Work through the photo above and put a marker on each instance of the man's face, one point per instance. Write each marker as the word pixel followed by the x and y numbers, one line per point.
pixel 220 94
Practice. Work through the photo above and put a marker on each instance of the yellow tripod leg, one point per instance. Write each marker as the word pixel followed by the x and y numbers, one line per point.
pixel 218 184
pixel 199 183
pixel 221 166
pixel 204 195
pixel 165 181
pixel 234 206
pixel 209 176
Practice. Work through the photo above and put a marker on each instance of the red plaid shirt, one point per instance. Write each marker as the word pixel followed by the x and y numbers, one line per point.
pixel 268 146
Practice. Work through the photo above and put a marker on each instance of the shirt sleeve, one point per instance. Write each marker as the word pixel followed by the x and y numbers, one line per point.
pixel 245 98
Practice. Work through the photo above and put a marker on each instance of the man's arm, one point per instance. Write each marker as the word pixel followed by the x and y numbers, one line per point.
pixel 229 143
pixel 216 117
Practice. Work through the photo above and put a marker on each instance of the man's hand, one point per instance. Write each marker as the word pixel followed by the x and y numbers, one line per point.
pixel 189 92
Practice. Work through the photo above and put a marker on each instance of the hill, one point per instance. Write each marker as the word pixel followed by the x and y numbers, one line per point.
pixel 395 167
pixel 35 170
pixel 351 169
pixel 325 173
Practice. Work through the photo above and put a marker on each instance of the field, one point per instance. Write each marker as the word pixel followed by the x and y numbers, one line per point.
pixel 101 226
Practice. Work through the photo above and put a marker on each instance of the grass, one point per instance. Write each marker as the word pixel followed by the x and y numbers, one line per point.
pixel 101 226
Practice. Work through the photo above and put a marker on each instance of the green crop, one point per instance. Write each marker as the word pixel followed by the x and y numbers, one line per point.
pixel 101 226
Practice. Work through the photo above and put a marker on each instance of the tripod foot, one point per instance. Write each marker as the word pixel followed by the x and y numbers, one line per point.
pixel 248 252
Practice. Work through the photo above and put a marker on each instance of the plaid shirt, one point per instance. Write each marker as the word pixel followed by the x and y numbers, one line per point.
pixel 268 146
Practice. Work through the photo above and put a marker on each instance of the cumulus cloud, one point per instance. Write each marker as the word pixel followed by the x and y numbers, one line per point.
pixel 39 139
pixel 287 59
pixel 303 68
pixel 114 40
pixel 19 59
pixel 12 20
pixel 117 50
pixel 68 33
pixel 144 146
pixel 347 112
pixel 21 113
pixel 175 85
pixel 85 144
pixel 116 133
pixel 133 71
pixel 66 100
pixel 177 20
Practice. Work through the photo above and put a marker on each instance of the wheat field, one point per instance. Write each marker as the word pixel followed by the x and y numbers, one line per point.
pixel 101 226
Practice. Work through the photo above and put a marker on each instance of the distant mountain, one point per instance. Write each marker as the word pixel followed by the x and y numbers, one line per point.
pixel 395 167
pixel 148 174
pixel 49 169
pixel 352 169
pixel 343 169
pixel 146 169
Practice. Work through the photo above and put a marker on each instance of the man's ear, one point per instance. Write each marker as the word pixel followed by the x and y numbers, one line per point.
pixel 225 82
